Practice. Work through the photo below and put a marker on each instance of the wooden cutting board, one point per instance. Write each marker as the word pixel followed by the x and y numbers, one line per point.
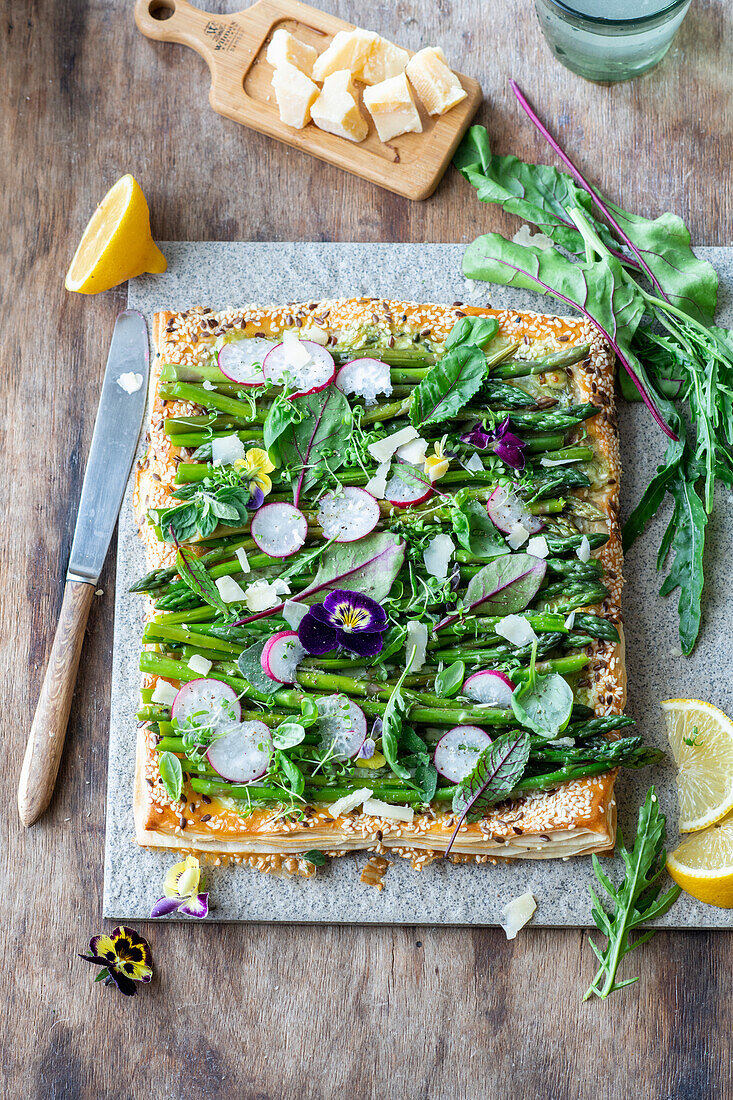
pixel 234 48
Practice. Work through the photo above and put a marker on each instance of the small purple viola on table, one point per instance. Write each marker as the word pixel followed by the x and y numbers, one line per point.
pixel 348 619
pixel 124 957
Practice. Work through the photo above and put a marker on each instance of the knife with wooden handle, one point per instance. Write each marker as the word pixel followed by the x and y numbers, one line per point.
pixel 116 432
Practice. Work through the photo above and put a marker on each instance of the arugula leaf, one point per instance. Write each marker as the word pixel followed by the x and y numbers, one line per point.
pixel 193 573
pixel 543 704
pixel 317 441
pixel 449 680
pixel 448 385
pixel 171 773
pixel 475 531
pixel 472 330
pixel 249 662
pixel 636 900
pixel 495 774
pixel 685 538
pixel 504 586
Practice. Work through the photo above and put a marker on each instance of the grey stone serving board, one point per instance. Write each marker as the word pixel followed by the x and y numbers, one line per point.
pixel 225 274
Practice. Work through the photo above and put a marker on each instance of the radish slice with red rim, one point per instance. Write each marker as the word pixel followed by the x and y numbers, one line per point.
pixel 242 360
pixel 348 516
pixel 458 750
pixel 366 378
pixel 342 726
pixel 279 529
pixel 243 753
pixel 309 367
pixel 408 485
pixel 207 701
pixel 489 686
pixel 281 656
pixel 506 511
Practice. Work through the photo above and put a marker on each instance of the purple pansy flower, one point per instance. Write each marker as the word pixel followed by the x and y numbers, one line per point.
pixel 256 497
pixel 500 440
pixel 347 619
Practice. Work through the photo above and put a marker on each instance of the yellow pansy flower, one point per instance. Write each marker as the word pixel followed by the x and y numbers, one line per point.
pixel 181 891
pixel 256 466
pixel 436 464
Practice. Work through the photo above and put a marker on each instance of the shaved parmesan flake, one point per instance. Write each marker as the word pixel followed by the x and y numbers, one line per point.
pixel 413 452
pixel 164 693
pixel 545 461
pixel 315 335
pixel 417 641
pixel 516 914
pixel 437 555
pixel 375 808
pixel 474 464
pixel 298 354
pixel 261 595
pixel 130 382
pixel 226 451
pixel 583 550
pixel 208 385
pixel 383 449
pixel 199 664
pixel 350 801
pixel 517 536
pixel 570 621
pixel 241 556
pixel 525 236
pixel 537 546
pixel 563 742
pixel 294 612
pixel 516 630
pixel 377 485
pixel 229 590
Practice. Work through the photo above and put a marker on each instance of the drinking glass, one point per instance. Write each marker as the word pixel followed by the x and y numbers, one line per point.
pixel 610 40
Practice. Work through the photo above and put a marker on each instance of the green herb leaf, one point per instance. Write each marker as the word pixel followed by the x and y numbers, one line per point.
pixel 448 385
pixel 472 330
pixel 250 665
pixel 281 414
pixel 369 565
pixel 394 715
pixel 193 573
pixel 685 539
pixel 316 442
pixel 495 774
pixel 635 901
pixel 288 734
pixel 475 531
pixel 171 773
pixel 315 857
pixel 308 712
pixel 543 704
pixel 291 771
pixel 449 680
pixel 503 587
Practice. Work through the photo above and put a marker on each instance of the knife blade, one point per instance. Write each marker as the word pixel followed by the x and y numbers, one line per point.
pixel 116 431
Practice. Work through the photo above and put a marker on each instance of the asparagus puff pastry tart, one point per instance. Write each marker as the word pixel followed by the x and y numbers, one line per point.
pixel 385 574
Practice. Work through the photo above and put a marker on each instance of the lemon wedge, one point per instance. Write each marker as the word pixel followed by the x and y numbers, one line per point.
pixel 117 244
pixel 701 739
pixel 703 864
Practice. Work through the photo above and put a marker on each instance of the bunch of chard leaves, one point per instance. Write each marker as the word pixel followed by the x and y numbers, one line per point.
pixel 665 344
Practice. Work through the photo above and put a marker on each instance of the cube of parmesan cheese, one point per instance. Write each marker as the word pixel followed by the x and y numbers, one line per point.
pixel 295 93
pixel 384 61
pixel 392 107
pixel 437 86
pixel 348 50
pixel 336 109
pixel 284 49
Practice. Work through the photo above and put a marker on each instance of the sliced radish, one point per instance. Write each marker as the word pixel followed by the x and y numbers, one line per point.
pixel 309 366
pixel 209 700
pixel 348 517
pixel 281 656
pixel 342 726
pixel 506 511
pixel 243 753
pixel 457 752
pixel 279 529
pixel 366 378
pixel 241 360
pixel 489 686
pixel 408 485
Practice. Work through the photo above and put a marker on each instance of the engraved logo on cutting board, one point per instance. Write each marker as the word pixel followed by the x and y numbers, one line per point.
pixel 225 35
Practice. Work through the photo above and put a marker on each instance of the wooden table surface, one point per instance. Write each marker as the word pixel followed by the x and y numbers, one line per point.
pixel 273 1012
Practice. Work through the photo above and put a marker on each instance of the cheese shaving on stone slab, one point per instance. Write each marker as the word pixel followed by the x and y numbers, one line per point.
pixel 375 808
pixel 516 914
pixel 524 235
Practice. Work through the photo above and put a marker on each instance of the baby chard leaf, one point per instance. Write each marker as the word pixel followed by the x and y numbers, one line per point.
pixel 503 587
pixel 448 385
pixel 495 774
pixel 193 573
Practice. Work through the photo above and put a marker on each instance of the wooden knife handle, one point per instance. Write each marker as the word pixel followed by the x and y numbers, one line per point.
pixel 46 740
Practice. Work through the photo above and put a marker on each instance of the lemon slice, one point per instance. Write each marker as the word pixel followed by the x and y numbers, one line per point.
pixel 117 244
pixel 704 761
pixel 703 864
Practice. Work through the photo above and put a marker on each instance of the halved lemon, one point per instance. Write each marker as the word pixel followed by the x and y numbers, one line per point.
pixel 703 864
pixel 117 244
pixel 701 739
